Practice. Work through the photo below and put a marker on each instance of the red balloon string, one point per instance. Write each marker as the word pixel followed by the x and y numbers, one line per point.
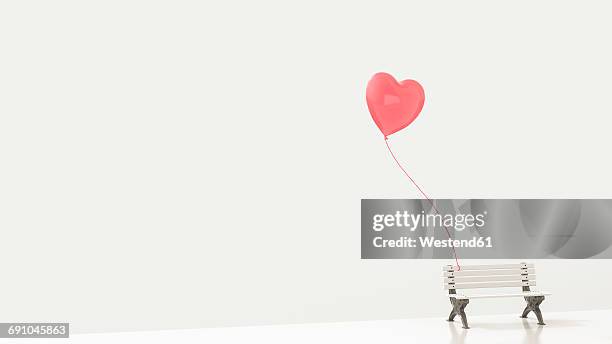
pixel 424 195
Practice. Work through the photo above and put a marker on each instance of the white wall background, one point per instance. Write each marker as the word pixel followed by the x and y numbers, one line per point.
pixel 177 164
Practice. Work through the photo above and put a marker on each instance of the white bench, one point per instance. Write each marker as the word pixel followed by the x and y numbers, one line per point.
pixel 491 276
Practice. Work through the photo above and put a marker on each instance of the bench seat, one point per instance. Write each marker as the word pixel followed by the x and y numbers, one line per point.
pixel 485 296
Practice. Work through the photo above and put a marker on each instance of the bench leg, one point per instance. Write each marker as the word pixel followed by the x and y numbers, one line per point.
pixel 525 312
pixel 464 320
pixel 459 309
pixel 538 313
pixel 533 304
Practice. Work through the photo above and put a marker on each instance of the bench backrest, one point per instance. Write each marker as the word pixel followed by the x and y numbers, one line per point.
pixel 488 276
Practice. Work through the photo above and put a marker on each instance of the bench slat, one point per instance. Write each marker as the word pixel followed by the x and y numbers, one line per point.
pixel 486 267
pixel 465 273
pixel 515 277
pixel 489 285
pixel 528 293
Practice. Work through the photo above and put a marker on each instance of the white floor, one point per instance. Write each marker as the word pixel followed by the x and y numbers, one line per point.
pixel 586 327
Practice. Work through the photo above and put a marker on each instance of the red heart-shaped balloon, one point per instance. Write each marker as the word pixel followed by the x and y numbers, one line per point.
pixel 393 105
